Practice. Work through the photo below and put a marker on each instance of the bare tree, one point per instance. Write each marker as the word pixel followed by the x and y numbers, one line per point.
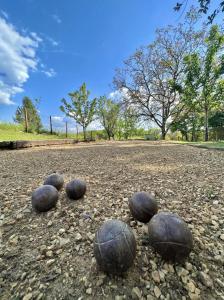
pixel 151 78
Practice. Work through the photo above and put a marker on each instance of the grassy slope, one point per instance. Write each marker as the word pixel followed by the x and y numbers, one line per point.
pixel 12 132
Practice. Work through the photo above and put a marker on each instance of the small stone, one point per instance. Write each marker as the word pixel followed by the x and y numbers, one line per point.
pixel 19 217
pixel 40 296
pixel 222 237
pixel 49 223
pixel 118 297
pixel 28 296
pixel 23 276
pixel 99 282
pixel 43 248
pixel 136 293
pixel 157 292
pixel 190 286
pixel 90 236
pixel 13 240
pixel 155 276
pixel 205 279
pixel 61 231
pixel 220 283
pixel 63 241
pixel 78 237
pixel 189 266
pixel 89 291
pixel 150 297
pixel 182 272
pixel 193 296
pixel 49 253
pixel 153 264
pixel 50 262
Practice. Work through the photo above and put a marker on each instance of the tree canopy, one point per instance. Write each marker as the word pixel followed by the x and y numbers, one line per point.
pixel 80 108
pixel 27 115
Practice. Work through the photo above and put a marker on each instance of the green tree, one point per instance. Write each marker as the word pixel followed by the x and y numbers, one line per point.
pixel 204 73
pixel 108 112
pixel 216 121
pixel 127 123
pixel 28 116
pixel 81 108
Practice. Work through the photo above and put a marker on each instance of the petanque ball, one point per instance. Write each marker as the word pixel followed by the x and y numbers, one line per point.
pixel 143 206
pixel 170 236
pixel 76 189
pixel 44 198
pixel 56 180
pixel 114 247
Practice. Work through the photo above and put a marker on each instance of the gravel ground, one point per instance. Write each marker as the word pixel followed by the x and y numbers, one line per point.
pixel 50 255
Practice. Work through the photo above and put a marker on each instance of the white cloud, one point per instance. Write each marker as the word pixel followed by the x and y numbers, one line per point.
pixel 57 119
pixel 53 42
pixel 56 18
pixel 4 14
pixel 17 59
pixel 49 73
pixel 95 125
pixel 58 123
pixel 7 91
pixel 119 95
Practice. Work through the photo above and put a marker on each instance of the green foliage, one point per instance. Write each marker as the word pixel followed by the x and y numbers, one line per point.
pixel 216 122
pixel 80 108
pixel 33 119
pixel 204 87
pixel 217 119
pixel 127 123
pixel 153 134
pixel 108 111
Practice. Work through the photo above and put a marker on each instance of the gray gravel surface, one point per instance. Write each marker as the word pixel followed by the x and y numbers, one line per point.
pixel 50 255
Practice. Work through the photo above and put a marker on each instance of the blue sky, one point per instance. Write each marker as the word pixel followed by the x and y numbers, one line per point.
pixel 55 46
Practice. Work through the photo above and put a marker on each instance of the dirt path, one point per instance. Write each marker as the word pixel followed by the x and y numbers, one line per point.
pixel 50 256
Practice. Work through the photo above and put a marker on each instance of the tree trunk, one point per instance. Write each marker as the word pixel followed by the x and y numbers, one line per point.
pixel 206 124
pixel 163 131
pixel 84 133
pixel 193 138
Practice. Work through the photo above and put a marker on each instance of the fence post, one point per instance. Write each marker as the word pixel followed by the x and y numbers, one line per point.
pixel 51 130
pixel 66 129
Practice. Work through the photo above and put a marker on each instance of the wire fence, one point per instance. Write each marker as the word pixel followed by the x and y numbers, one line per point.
pixel 66 127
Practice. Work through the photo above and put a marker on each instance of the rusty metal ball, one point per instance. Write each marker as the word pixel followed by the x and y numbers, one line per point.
pixel 143 206
pixel 44 198
pixel 114 247
pixel 56 180
pixel 76 189
pixel 170 236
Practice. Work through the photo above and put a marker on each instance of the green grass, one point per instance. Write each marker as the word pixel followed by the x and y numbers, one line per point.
pixel 207 145
pixel 13 132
